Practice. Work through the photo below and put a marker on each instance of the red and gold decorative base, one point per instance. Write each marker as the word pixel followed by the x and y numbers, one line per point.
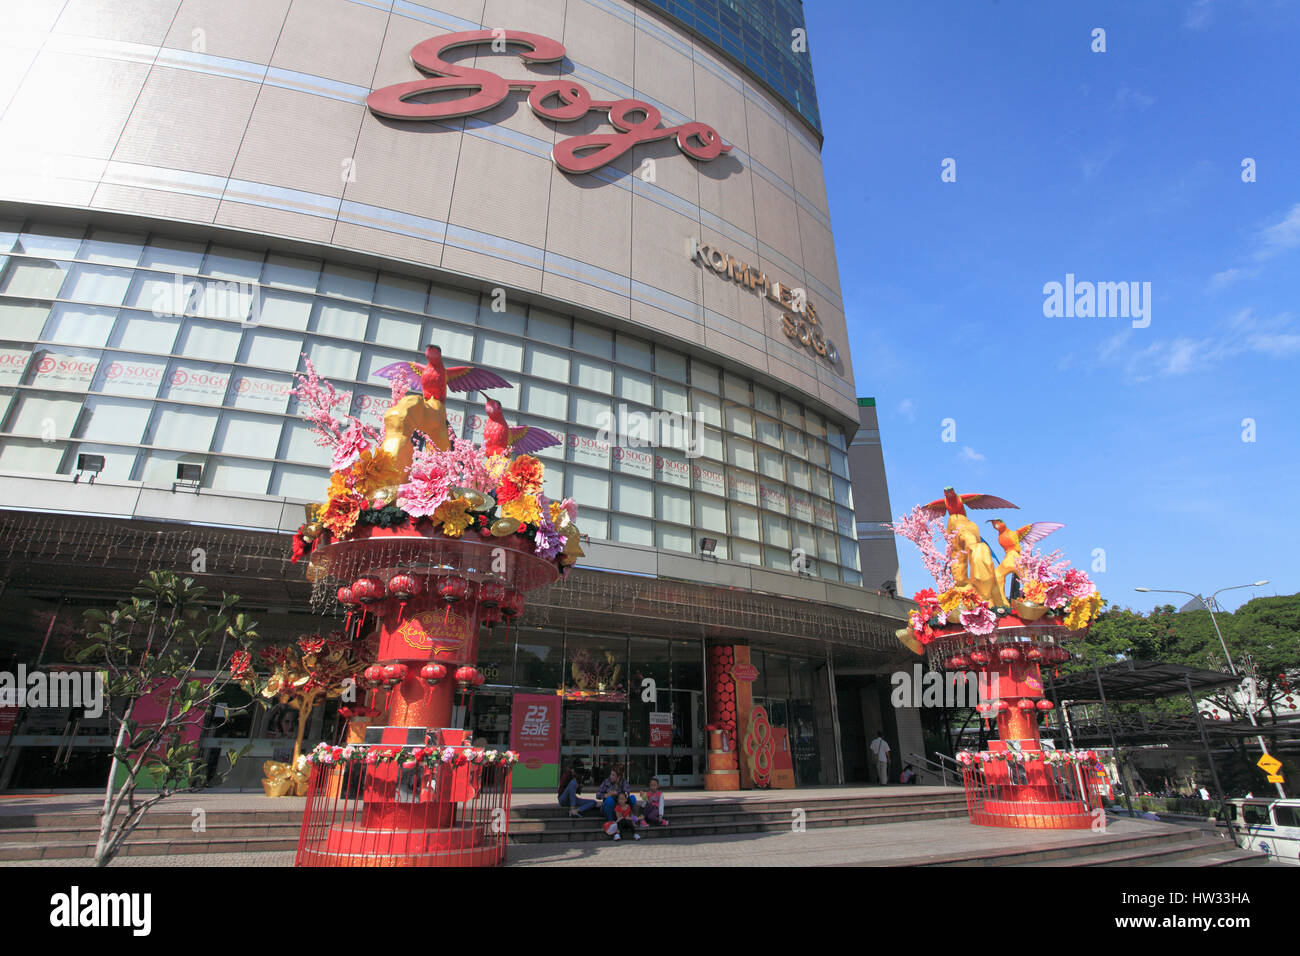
pixel 427 595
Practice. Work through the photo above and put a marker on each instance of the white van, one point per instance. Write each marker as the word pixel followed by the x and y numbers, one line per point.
pixel 1269 826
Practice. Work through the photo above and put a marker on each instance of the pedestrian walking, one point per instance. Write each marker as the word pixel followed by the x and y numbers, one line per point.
pixel 880 753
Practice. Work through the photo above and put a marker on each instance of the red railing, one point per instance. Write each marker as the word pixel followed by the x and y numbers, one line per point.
pixel 1034 795
pixel 384 814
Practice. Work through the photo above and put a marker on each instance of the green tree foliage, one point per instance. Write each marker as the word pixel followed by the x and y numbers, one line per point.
pixel 150 646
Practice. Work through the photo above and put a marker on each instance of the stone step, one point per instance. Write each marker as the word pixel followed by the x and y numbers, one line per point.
pixel 1175 853
pixel 592 831
pixel 71 851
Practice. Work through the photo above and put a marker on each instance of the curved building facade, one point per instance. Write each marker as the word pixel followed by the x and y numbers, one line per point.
pixel 197 195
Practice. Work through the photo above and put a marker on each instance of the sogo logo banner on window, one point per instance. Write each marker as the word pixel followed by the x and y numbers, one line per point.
pixel 13 362
pixel 67 372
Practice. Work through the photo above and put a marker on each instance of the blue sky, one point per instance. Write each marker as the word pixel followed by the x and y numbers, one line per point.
pixel 1117 166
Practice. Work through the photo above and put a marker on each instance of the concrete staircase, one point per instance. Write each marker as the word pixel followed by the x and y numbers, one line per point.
pixel 687 819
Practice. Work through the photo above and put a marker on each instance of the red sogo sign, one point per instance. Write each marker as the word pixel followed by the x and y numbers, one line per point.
pixel 560 100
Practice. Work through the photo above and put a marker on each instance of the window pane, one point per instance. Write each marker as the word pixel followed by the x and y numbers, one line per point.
pixel 711 514
pixel 593 340
pixel 629 530
pixel 776 532
pixel 159 467
pixel 740 420
pixel 31 457
pixel 186 428
pixel 707 407
pixel 735 389
pixel 272 350
pixel 457 344
pixel 210 340
pixel 114 420
pixel 544 326
pixel 740 453
pixel 633 351
pixel 22 321
pixel 398 331
pixel 592 374
pixel 634 386
pixel 300 446
pixel 197 382
pixel 136 375
pixel 547 363
pixel 227 262
pixel 86 325
pixel 670 364
pixel 291 272
pixel 241 477
pixel 173 255
pixel 742 487
pixel 261 392
pixel 399 292
pixel 64 369
pixel 13 366
pixel 51 241
pixel 744 522
pixel 454 304
pixel 48 417
pixel 297 481
pixel 334 361
pixel 253 435
pixel 143 332
pixel 118 462
pixel 588 488
pixel 500 352
pixel 765 401
pixel 283 310
pixel 673 539
pixel 36 278
pixel 348 282
pixel 767 431
pixel 102 285
pixel 632 496
pixel 549 400
pixel 672 504
pixel 343 321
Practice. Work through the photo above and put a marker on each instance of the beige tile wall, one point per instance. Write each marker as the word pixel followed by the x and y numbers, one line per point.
pixel 132 82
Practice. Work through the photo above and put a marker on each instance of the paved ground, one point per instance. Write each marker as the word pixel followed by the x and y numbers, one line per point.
pixel 216 801
pixel 883 844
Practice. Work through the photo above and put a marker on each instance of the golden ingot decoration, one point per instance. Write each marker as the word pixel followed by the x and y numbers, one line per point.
pixel 504 526
pixel 1028 611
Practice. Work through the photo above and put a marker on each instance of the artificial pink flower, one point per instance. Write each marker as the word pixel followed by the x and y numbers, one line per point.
pixel 350 446
pixel 980 620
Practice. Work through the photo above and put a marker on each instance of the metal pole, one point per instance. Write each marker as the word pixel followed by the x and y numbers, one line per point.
pixel 1209 755
pixel 1105 709
pixel 1232 669
pixel 835 717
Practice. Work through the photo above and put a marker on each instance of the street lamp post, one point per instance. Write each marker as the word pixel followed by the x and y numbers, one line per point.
pixel 1232 668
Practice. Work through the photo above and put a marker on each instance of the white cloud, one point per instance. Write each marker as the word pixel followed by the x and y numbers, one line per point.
pixel 1280 236
pixel 907 408
pixel 1242 334
pixel 1128 98
pixel 1198 14
pixel 968 453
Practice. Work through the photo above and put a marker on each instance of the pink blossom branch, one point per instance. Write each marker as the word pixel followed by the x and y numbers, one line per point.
pixel 917 527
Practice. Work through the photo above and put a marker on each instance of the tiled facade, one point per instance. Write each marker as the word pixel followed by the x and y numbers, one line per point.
pixel 251 117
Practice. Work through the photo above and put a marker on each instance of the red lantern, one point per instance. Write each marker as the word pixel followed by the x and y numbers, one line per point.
pixel 1003 706
pixel 979 657
pixel 479 679
pixel 373 675
pixel 432 673
pixel 490 593
pixel 961 661
pixel 346 597
pixel 1035 653
pixel 1009 654
pixel 491 616
pixel 1045 704
pixel 952 663
pixel 394 674
pixel 1025 704
pixel 404 586
pixel 466 677
pixel 453 588
pixel 513 605
pixel 368 590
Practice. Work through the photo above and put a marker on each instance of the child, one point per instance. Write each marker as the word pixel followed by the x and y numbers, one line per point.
pixel 654 804
pixel 624 820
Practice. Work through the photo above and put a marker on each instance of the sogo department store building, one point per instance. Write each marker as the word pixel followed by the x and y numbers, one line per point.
pixel 196 193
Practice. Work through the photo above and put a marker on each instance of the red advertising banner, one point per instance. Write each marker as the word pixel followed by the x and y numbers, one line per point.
pixel 661 729
pixel 535 729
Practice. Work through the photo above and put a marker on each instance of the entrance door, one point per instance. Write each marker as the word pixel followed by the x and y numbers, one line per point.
pixel 685 764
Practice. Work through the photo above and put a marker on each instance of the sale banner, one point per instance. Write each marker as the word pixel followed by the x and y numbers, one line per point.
pixel 661 729
pixel 535 736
